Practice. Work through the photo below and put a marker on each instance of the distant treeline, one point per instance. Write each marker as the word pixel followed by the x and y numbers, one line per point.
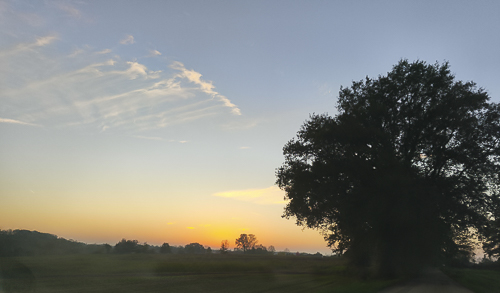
pixel 133 246
pixel 30 243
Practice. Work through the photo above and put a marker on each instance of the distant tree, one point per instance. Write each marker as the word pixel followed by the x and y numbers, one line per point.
pixel 29 243
pixel 246 242
pixel 107 248
pixel 271 249
pixel 404 175
pixel 145 248
pixel 208 250
pixel 127 246
pixel 178 249
pixel 165 248
pixel 224 246
pixel 259 249
pixel 194 248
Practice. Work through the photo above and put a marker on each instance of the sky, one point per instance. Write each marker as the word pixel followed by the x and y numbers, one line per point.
pixel 164 121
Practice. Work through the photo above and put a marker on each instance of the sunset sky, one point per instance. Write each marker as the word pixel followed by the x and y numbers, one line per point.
pixel 164 121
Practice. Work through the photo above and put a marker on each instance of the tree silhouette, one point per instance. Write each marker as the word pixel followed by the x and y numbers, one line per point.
pixel 403 174
pixel 107 248
pixel 259 249
pixel 224 246
pixel 127 246
pixel 194 248
pixel 165 248
pixel 246 242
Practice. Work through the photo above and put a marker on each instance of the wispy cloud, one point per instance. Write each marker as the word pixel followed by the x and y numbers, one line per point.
pixel 135 70
pixel 105 51
pixel 19 48
pixel 76 52
pixel 68 9
pixel 12 121
pixel 270 195
pixel 129 39
pixel 154 53
pixel 91 88
pixel 43 41
pixel 206 86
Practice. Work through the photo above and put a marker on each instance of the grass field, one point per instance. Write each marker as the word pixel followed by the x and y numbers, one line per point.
pixel 477 280
pixel 180 273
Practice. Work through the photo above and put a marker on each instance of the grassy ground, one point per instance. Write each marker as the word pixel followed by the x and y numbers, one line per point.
pixel 180 273
pixel 477 280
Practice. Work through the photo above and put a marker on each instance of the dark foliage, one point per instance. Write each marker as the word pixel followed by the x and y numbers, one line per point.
pixel 404 175
pixel 258 249
pixel 165 248
pixel 30 243
pixel 133 246
pixel 246 242
pixel 491 244
pixel 194 248
pixel 224 247
pixel 128 246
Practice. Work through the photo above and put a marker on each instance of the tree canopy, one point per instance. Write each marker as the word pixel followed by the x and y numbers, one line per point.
pixel 127 246
pixel 30 243
pixel 224 246
pixel 194 248
pixel 246 242
pixel 406 173
pixel 165 248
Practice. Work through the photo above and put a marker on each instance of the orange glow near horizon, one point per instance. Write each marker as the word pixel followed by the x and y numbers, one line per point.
pixel 98 217
pixel 102 230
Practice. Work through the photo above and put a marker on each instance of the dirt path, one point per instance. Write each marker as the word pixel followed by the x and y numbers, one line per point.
pixel 431 281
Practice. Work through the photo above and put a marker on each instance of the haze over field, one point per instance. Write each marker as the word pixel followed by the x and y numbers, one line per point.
pixel 165 121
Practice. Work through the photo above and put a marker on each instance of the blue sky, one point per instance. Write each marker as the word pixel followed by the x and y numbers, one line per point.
pixel 164 121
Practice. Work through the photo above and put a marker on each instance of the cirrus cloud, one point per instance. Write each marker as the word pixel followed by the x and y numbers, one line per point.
pixel 92 89
pixel 206 86
pixel 129 39
pixel 12 121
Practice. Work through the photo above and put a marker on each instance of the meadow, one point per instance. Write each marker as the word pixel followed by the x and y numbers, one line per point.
pixel 180 273
pixel 476 279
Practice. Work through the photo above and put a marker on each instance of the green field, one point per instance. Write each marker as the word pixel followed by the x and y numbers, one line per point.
pixel 477 280
pixel 180 273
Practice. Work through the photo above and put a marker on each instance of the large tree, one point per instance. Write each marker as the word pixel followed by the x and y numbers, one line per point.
pixel 404 175
pixel 246 242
